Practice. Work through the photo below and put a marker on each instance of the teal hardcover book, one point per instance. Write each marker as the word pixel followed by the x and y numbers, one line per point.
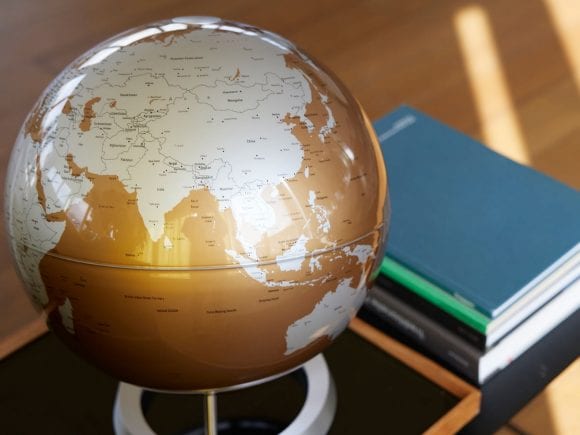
pixel 472 231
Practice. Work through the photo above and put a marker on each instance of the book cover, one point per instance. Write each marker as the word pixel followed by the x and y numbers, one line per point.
pixel 475 365
pixel 470 221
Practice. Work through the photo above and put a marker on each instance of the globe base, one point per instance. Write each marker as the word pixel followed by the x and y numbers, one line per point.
pixel 315 417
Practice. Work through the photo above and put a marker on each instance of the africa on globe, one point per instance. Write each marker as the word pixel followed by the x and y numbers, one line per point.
pixel 197 204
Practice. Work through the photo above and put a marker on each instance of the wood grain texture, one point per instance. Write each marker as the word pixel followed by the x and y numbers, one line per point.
pixel 469 397
pixel 457 417
pixel 387 52
pixel 437 374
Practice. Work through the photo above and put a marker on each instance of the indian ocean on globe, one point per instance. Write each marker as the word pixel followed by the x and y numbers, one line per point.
pixel 197 204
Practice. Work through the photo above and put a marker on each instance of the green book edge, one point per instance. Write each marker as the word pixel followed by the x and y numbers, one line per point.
pixel 434 294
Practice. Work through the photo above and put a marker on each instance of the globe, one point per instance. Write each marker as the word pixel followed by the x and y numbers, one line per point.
pixel 196 204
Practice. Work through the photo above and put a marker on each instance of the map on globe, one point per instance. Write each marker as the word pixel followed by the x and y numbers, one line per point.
pixel 183 174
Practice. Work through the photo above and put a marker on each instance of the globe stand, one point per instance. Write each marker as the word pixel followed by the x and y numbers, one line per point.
pixel 210 413
pixel 315 417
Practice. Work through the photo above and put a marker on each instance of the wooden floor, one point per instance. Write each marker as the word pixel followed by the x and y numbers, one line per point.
pixel 505 72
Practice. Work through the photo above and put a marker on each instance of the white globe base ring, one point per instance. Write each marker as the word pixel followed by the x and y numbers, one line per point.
pixel 315 417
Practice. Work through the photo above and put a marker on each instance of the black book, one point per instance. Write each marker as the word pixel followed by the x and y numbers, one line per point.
pixel 475 338
pixel 475 365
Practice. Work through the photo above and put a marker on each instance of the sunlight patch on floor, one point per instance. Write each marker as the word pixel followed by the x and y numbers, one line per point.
pixel 494 105
pixel 565 17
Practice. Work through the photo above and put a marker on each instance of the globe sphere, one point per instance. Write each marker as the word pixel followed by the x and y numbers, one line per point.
pixel 196 204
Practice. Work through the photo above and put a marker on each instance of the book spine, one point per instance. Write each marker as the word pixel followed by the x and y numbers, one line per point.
pixel 454 325
pixel 458 308
pixel 426 333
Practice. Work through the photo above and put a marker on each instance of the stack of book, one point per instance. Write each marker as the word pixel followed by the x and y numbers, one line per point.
pixel 483 256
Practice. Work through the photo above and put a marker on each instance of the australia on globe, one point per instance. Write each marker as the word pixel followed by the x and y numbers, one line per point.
pixel 196 204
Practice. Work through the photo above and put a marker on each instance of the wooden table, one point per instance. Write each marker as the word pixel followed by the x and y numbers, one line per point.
pixel 504 72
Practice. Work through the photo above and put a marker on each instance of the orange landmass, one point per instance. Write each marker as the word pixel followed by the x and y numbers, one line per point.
pixel 76 171
pixel 58 216
pixel 88 114
pixel 67 108
pixel 113 104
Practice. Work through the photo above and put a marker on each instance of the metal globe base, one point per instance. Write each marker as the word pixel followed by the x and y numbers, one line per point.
pixel 315 417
